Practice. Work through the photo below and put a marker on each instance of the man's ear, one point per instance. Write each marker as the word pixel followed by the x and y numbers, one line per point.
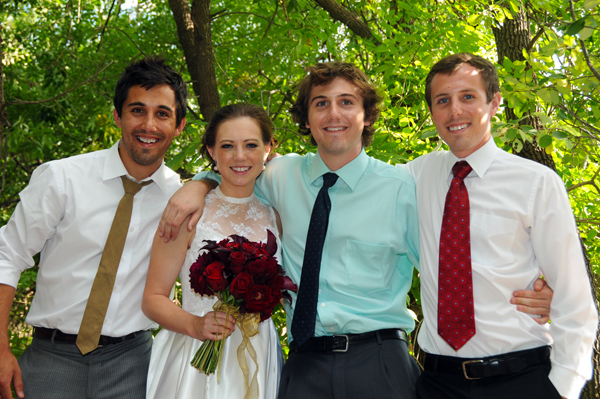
pixel 117 118
pixel 179 128
pixel 496 100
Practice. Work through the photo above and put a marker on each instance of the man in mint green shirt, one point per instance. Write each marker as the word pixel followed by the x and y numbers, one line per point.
pixel 359 345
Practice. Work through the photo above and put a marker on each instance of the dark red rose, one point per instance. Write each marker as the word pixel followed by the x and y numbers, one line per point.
pixel 200 286
pixel 197 279
pixel 214 276
pixel 258 298
pixel 232 245
pixel 240 285
pixel 265 314
pixel 237 262
pixel 263 270
pixel 249 249
pixel 222 243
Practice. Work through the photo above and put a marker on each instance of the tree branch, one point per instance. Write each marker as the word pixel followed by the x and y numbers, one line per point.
pixel 340 13
pixel 591 182
pixel 130 39
pixel 105 24
pixel 583 48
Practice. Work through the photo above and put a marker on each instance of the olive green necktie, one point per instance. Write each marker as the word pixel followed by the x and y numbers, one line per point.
pixel 95 310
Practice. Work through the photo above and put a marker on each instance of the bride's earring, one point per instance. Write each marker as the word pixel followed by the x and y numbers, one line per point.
pixel 216 169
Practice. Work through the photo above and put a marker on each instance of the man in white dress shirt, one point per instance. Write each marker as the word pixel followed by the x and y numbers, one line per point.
pixel 521 225
pixel 66 213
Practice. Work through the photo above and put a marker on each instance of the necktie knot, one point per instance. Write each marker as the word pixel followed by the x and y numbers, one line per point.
pixel 132 187
pixel 461 169
pixel 329 179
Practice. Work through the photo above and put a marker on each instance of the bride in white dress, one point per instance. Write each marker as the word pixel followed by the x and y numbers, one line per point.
pixel 238 140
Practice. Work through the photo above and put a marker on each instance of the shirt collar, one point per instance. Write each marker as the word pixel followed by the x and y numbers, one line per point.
pixel 349 173
pixel 480 160
pixel 114 168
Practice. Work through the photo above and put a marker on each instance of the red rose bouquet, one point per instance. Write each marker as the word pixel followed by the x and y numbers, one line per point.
pixel 249 283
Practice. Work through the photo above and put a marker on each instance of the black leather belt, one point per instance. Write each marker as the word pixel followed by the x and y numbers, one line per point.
pixel 493 366
pixel 341 342
pixel 47 333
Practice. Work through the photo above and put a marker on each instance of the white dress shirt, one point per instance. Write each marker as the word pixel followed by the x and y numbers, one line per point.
pixel 521 226
pixel 66 212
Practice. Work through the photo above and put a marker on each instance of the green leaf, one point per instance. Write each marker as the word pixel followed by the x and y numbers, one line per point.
pixel 585 33
pixel 518 145
pixel 512 134
pixel 559 134
pixel 528 129
pixel 514 6
pixel 590 4
pixel 428 133
pixel 575 27
pixel 543 117
pixel 544 94
pixel 545 141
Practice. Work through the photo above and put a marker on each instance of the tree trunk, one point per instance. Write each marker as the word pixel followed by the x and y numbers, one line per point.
pixel 194 31
pixel 3 120
pixel 511 39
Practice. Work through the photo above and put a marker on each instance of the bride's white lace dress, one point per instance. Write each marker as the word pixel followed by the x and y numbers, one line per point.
pixel 170 375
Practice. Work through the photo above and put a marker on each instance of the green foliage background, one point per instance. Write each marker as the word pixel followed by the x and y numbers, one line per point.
pixel 62 57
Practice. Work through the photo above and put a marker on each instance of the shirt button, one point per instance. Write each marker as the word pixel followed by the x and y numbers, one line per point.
pixel 322 305
pixel 134 199
pixel 131 229
pixel 122 259
pixel 320 291
pixel 115 288
pixel 331 329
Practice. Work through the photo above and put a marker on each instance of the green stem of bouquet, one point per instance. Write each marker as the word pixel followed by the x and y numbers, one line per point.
pixel 208 356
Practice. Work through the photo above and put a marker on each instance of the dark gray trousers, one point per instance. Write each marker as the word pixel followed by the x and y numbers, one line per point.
pixel 368 370
pixel 57 370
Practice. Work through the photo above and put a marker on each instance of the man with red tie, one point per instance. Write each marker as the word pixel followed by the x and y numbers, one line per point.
pixel 491 222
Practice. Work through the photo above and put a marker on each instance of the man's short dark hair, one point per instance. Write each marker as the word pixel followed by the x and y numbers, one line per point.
pixel 148 72
pixel 447 66
pixel 325 73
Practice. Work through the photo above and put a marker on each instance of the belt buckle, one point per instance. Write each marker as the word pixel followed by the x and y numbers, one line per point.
pixel 347 343
pixel 465 369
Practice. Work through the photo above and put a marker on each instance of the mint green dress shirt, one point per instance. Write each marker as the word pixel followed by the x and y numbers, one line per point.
pixel 371 245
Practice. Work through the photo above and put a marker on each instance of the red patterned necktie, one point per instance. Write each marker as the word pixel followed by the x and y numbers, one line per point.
pixel 456 317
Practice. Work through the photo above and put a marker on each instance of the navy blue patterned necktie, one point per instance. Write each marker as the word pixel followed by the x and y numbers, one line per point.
pixel 305 311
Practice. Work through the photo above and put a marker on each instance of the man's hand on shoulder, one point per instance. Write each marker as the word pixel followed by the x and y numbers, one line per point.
pixel 536 302
pixel 10 374
pixel 188 200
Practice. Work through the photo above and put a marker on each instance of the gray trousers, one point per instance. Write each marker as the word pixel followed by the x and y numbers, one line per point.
pixel 368 370
pixel 57 370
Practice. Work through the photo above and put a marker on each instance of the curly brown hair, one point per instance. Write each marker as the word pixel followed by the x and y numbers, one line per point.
pixel 322 74
pixel 449 64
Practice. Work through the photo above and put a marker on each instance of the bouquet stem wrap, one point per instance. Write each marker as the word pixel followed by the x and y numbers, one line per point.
pixel 208 359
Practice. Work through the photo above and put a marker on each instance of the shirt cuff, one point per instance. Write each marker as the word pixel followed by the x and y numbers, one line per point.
pixel 567 382
pixel 208 175
pixel 8 275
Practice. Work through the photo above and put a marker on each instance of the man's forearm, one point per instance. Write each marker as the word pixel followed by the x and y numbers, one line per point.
pixel 7 296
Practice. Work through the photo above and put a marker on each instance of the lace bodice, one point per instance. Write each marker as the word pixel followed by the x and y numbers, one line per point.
pixel 223 216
